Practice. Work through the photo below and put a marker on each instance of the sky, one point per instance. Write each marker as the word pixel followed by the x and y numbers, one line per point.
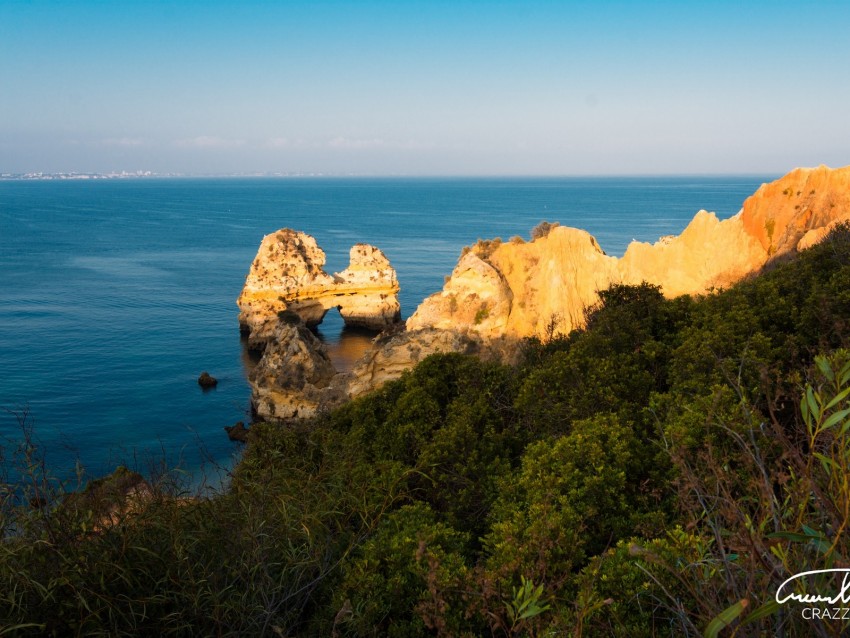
pixel 424 88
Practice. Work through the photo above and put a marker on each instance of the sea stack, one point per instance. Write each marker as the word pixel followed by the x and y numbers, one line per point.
pixel 287 275
pixel 293 377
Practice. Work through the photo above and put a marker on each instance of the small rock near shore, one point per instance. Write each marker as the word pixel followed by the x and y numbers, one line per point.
pixel 237 432
pixel 207 381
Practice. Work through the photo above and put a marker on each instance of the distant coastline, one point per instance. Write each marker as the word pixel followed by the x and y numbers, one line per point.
pixel 74 175
pixel 132 175
pixel 81 176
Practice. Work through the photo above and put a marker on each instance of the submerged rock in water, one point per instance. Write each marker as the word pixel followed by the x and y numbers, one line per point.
pixel 207 381
pixel 237 432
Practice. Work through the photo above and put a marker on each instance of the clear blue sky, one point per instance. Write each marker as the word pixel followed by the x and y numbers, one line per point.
pixel 431 88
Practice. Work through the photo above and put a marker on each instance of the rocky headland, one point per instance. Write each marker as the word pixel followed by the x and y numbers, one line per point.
pixel 500 293
pixel 538 288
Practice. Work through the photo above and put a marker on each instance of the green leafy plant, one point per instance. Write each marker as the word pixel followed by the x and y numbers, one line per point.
pixel 481 314
pixel 527 602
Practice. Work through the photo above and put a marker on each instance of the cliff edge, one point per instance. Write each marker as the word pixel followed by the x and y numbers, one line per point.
pixel 500 292
pixel 540 288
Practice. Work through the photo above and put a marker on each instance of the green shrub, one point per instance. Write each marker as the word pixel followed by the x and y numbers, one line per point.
pixel 639 477
pixel 570 498
pixel 390 585
pixel 481 314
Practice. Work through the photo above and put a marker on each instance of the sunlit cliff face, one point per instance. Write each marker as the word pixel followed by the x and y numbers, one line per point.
pixel 287 275
pixel 536 288
pixel 498 292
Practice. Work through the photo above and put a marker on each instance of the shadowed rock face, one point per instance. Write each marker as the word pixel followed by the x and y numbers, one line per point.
pixel 293 378
pixel 287 274
pixel 392 354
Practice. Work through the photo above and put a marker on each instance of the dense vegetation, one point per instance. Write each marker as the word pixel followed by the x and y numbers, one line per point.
pixel 660 472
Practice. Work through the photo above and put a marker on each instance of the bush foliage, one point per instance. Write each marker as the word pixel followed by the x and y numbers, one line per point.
pixel 659 472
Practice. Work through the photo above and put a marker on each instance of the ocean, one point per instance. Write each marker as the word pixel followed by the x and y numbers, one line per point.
pixel 116 294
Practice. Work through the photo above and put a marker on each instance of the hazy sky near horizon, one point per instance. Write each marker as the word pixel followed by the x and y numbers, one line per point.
pixel 424 88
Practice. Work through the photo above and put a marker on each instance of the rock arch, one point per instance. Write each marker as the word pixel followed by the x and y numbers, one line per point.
pixel 287 275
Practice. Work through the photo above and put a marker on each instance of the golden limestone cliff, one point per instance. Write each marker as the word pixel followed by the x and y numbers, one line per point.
pixel 501 292
pixel 520 289
pixel 287 274
pixel 287 291
pixel 794 212
pixel 543 287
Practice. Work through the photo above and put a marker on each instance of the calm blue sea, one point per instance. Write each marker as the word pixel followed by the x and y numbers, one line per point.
pixel 116 295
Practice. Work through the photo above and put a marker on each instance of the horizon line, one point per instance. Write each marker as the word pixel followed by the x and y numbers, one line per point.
pixel 143 175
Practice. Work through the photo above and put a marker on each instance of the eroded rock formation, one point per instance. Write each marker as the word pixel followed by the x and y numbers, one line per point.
pixel 392 354
pixel 501 292
pixel 520 289
pixel 293 378
pixel 805 201
pixel 542 287
pixel 287 274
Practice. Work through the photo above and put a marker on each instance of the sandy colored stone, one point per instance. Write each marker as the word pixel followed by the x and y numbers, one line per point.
pixel 370 289
pixel 552 280
pixel 817 235
pixel 781 213
pixel 708 254
pixel 393 354
pixel 501 292
pixel 544 287
pixel 475 294
pixel 288 274
pixel 292 378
